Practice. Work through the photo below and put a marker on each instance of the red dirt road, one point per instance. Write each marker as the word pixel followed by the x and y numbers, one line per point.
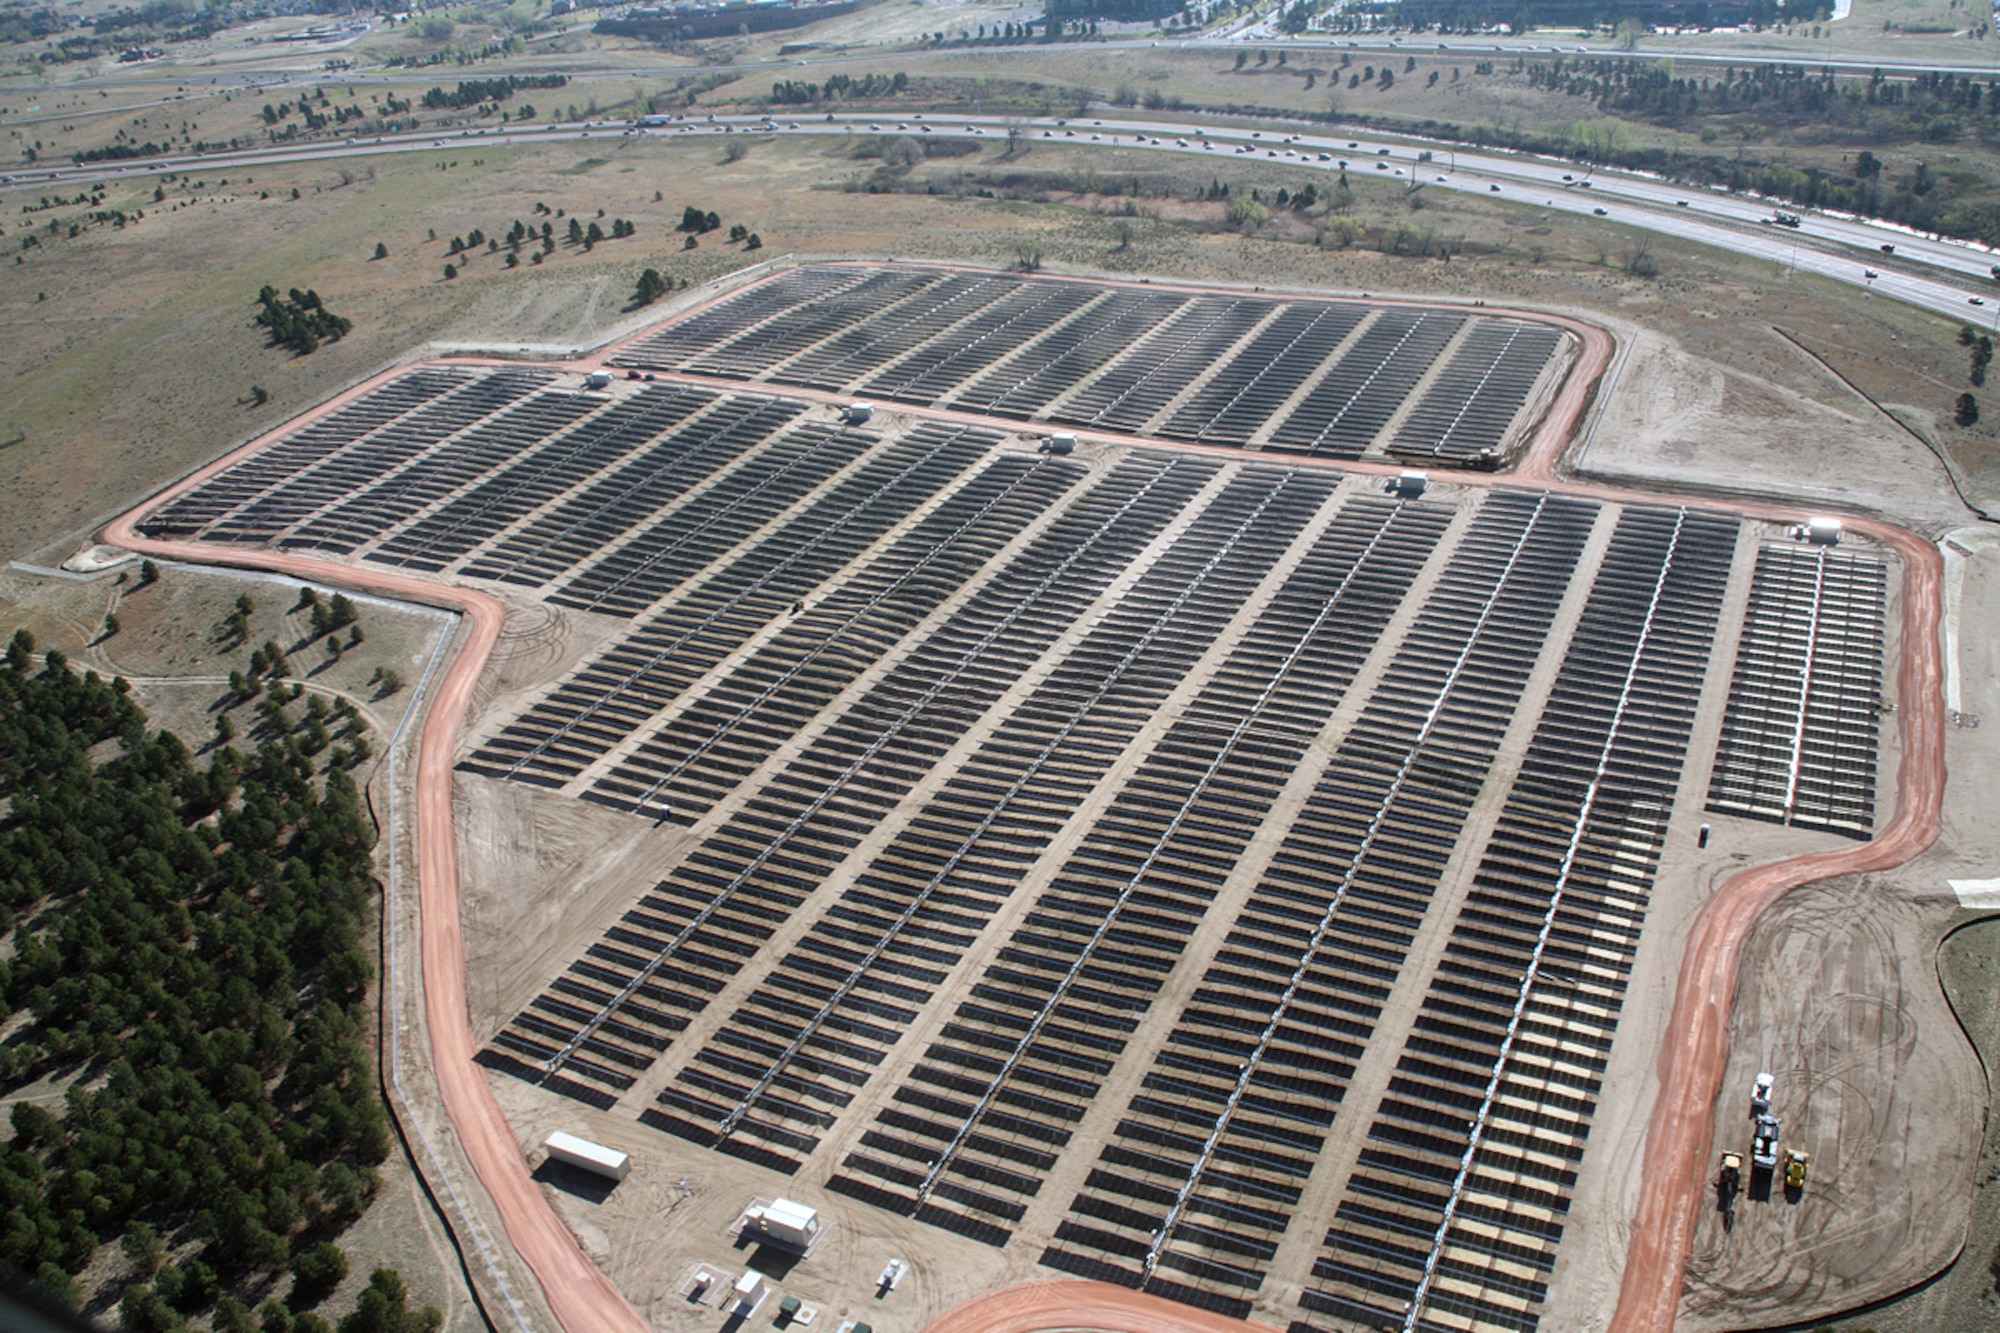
pixel 1679 1139
pixel 583 1300
pixel 581 1297
pixel 1072 1305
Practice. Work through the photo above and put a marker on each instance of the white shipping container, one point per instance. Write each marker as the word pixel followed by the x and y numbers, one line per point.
pixel 588 1156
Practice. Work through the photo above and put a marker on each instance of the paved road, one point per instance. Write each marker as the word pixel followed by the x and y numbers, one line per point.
pixel 1950 278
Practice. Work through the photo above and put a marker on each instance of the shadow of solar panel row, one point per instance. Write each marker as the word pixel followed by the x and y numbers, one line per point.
pixel 1243 394
pixel 572 458
pixel 705 750
pixel 1800 732
pixel 606 1019
pixel 1271 694
pixel 1134 389
pixel 1342 414
pixel 783 1067
pixel 674 345
pixel 1473 1154
pixel 1194 1192
pixel 624 688
pixel 749 468
pixel 340 474
pixel 1477 395
pixel 1047 1022
pixel 1051 366
pixel 785 335
pixel 378 508
pixel 848 355
pixel 279 462
pixel 930 373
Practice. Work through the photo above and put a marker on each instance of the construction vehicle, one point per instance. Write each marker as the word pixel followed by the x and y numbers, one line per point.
pixel 1760 1095
pixel 1797 1161
pixel 1764 1147
pixel 1728 1183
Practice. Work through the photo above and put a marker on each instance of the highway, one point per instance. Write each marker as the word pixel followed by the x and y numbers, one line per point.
pixel 1950 278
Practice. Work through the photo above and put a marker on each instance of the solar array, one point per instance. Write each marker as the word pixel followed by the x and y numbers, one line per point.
pixel 1066 828
pixel 1800 735
pixel 1285 374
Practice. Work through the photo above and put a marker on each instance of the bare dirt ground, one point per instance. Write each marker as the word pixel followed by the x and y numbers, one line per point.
pixel 1966 962
pixel 1682 422
pixel 1874 1077
pixel 167 646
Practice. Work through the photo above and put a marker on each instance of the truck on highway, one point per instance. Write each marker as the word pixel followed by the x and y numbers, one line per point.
pixel 1764 1146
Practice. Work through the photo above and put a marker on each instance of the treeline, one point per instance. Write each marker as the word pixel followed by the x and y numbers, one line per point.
pixel 1934 107
pixel 118 152
pixel 299 320
pixel 798 92
pixel 478 92
pixel 188 954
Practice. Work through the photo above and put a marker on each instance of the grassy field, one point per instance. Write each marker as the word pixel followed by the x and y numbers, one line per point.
pixel 134 357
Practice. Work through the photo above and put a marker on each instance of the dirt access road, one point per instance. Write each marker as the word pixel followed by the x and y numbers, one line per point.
pixel 1691 1060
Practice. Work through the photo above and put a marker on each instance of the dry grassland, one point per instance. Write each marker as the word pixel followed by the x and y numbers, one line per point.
pixel 132 356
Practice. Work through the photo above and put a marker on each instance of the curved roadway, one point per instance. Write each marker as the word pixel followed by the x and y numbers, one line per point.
pixel 1947 277
pixel 1691 1059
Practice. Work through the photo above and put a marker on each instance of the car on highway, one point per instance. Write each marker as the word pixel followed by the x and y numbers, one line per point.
pixel 1973 300
pixel 1494 189
pixel 1869 275
pixel 1599 212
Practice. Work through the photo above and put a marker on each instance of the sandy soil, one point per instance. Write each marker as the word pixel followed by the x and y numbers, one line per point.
pixel 1682 422
pixel 167 648
pixel 1841 1003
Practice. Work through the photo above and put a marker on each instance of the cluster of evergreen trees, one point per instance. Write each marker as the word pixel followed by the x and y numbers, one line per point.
pixel 1931 107
pixel 299 320
pixel 188 953
pixel 838 87
pixel 477 92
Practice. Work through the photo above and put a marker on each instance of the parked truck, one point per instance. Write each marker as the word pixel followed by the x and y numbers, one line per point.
pixel 1728 1184
pixel 1760 1095
pixel 1764 1147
